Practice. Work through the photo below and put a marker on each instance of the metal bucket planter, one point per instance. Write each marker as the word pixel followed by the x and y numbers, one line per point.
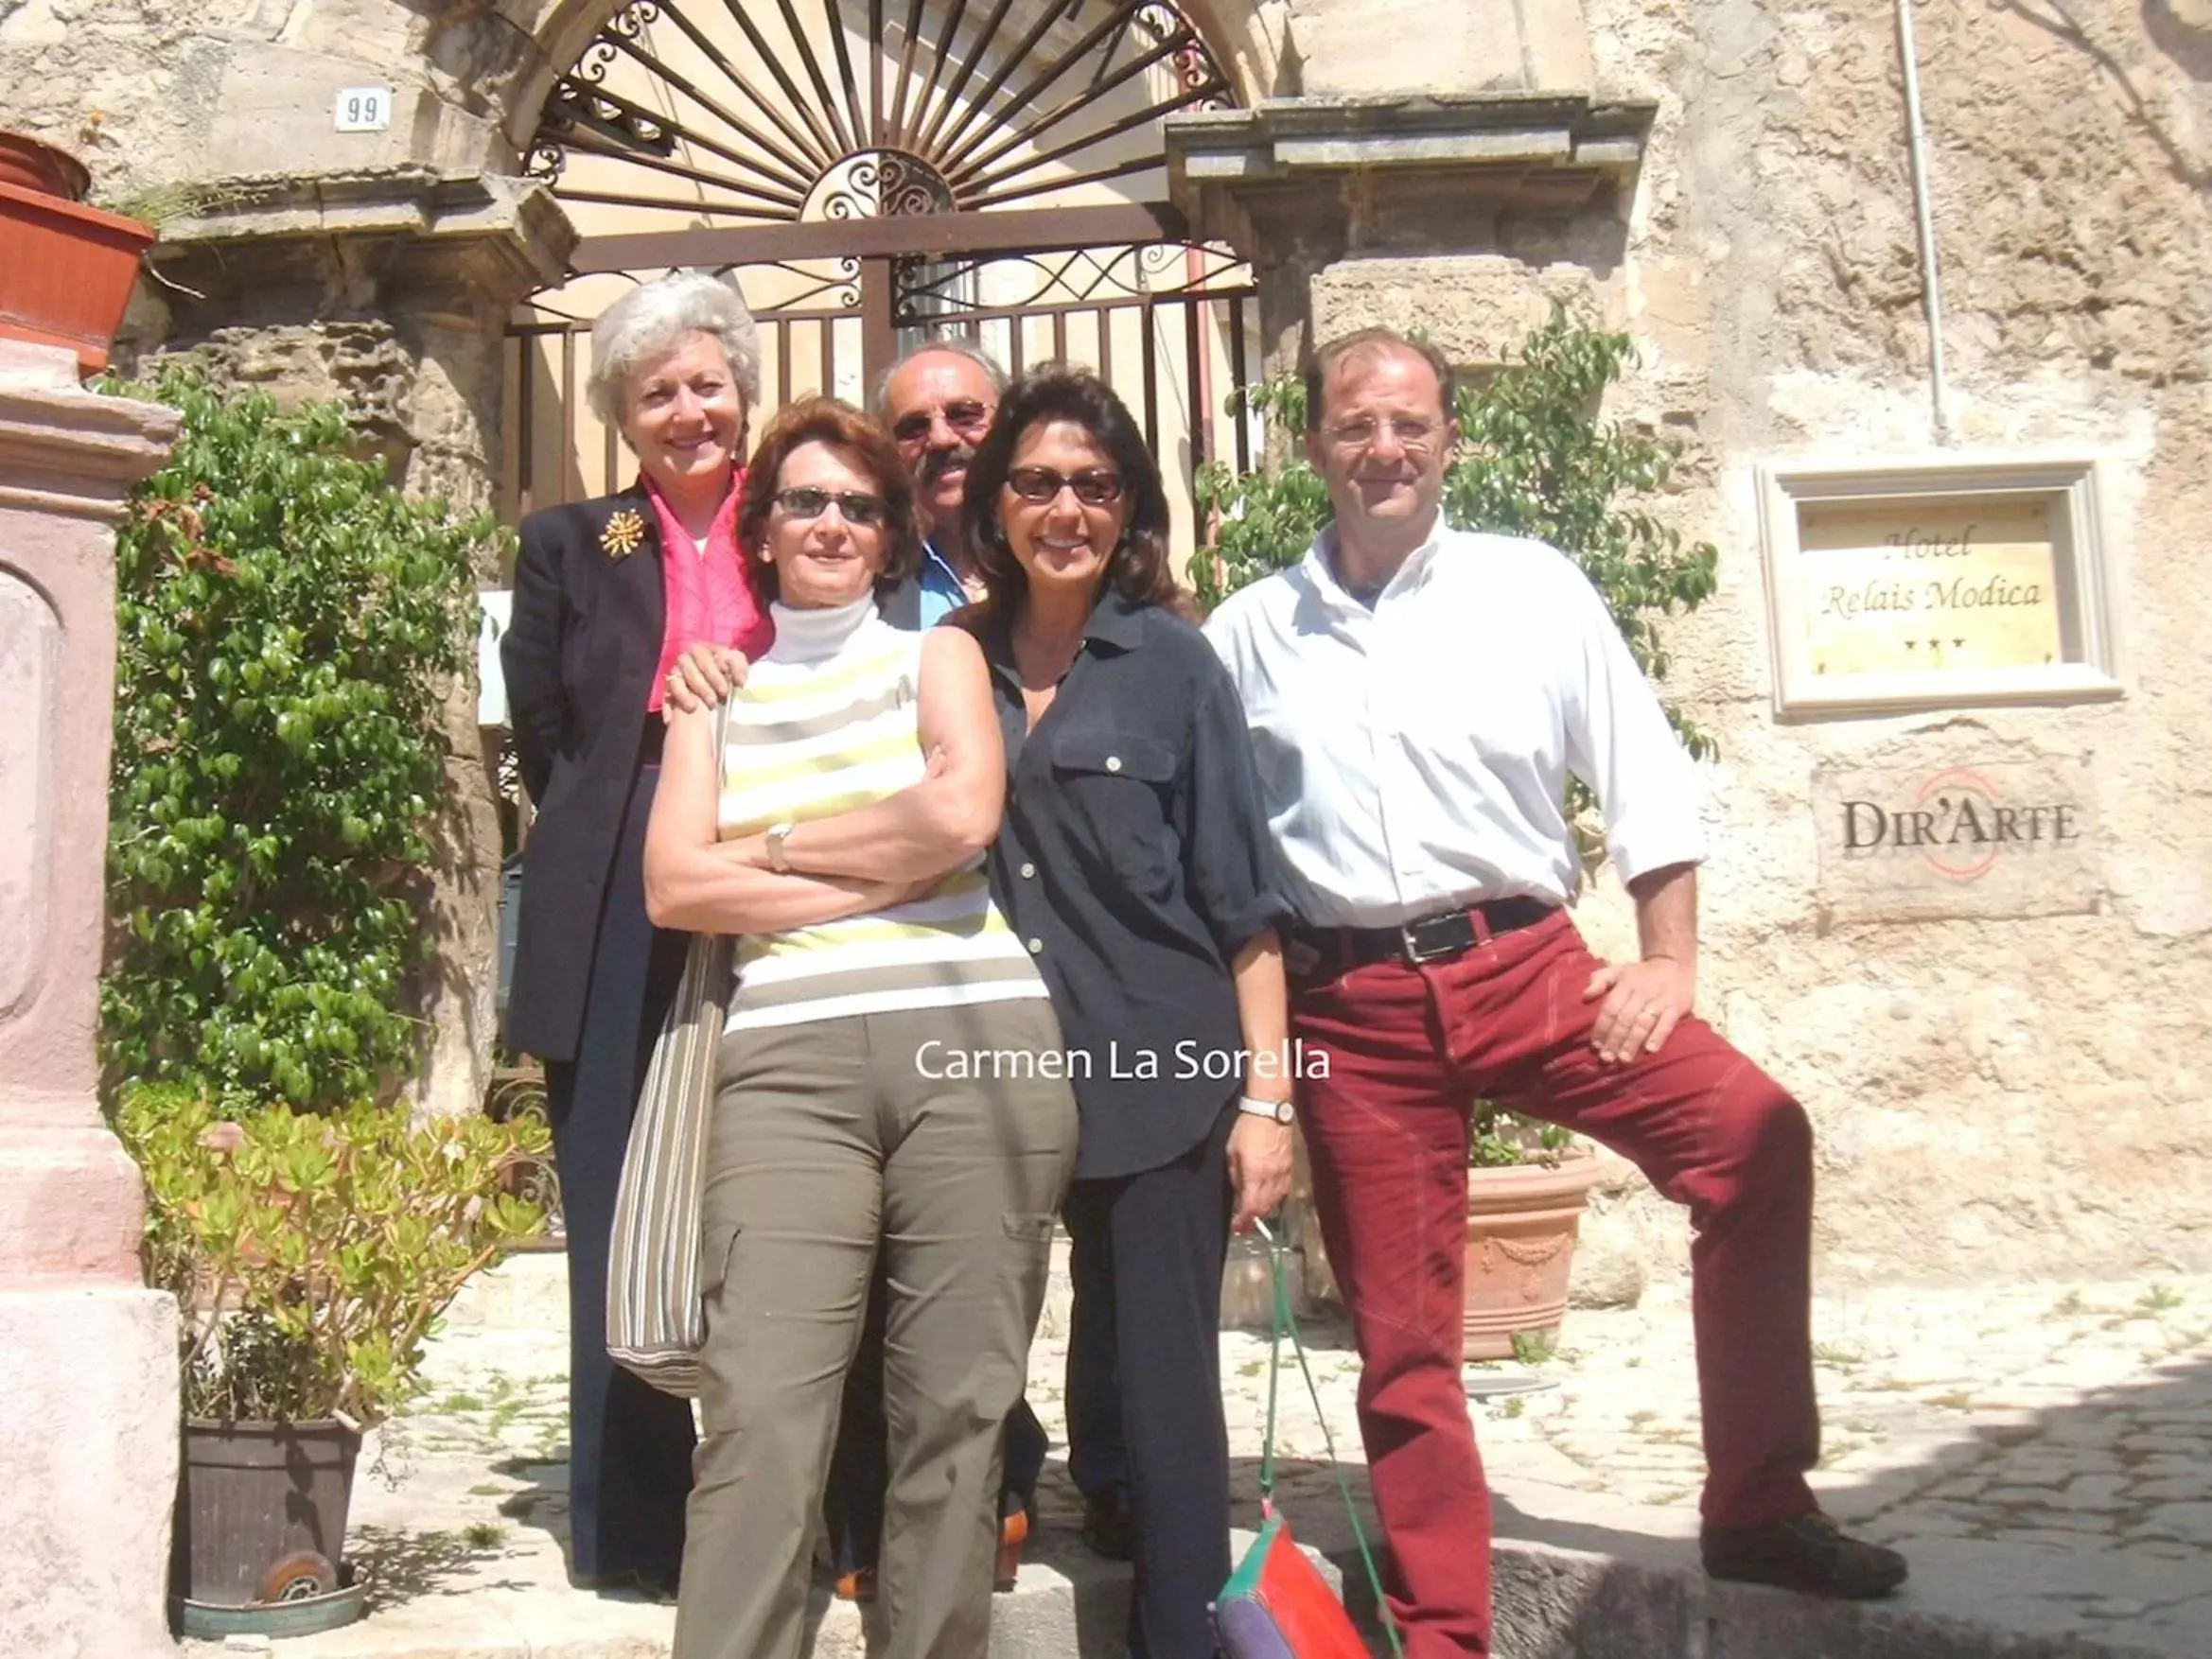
pixel 1522 1226
pixel 260 1526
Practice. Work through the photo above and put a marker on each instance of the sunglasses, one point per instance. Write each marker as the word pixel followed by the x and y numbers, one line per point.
pixel 964 414
pixel 805 501
pixel 1041 483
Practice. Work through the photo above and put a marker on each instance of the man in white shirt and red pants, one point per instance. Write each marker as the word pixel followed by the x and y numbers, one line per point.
pixel 1417 697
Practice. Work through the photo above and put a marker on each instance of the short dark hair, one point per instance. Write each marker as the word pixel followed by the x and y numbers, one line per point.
pixel 838 424
pixel 1139 567
pixel 1331 353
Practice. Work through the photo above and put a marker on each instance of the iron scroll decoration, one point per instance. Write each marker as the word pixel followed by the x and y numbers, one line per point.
pixel 956 108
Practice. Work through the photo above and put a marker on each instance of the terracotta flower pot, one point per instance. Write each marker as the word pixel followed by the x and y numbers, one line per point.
pixel 1521 1225
pixel 68 272
pixel 28 165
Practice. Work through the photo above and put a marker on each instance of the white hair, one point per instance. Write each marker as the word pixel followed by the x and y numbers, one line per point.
pixel 958 345
pixel 651 320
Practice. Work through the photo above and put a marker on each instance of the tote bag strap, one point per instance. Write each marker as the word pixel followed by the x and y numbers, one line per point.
pixel 1286 1323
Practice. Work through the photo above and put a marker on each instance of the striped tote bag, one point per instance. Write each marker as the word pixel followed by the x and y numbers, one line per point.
pixel 654 1320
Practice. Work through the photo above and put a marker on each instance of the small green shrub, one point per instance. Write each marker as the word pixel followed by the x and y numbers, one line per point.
pixel 311 1254
pixel 1498 1138
pixel 289 625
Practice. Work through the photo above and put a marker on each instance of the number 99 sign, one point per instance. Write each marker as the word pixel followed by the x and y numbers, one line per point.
pixel 364 109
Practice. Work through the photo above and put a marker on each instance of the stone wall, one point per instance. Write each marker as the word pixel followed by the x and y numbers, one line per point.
pixel 2011 1094
pixel 1726 178
pixel 2004 1094
pixel 373 268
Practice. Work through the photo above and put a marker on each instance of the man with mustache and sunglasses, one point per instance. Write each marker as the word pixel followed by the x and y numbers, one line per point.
pixel 937 401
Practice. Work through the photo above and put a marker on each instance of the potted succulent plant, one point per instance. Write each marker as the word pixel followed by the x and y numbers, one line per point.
pixel 69 268
pixel 1527 1184
pixel 311 1256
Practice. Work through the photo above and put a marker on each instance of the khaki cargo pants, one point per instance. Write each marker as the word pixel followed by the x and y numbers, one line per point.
pixel 829 1140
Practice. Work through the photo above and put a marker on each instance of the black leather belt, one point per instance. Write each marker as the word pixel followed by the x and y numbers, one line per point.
pixel 1429 939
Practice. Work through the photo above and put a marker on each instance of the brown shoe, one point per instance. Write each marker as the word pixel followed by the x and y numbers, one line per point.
pixel 1808 1553
pixel 1013 1531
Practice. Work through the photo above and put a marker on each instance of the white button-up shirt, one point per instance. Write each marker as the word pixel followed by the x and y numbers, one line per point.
pixel 1413 757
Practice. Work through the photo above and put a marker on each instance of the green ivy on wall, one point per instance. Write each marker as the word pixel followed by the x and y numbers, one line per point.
pixel 1535 459
pixel 289 625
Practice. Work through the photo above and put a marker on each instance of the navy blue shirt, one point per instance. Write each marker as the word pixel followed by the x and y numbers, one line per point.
pixel 1134 861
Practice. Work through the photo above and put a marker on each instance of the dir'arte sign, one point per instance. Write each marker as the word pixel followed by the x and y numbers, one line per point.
pixel 1957 837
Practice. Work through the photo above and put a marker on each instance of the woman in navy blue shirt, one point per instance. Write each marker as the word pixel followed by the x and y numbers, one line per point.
pixel 1134 863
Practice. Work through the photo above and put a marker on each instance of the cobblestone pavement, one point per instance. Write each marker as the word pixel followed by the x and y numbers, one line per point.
pixel 2042 1453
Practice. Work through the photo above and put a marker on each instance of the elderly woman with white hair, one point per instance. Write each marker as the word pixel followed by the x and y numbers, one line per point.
pixel 608 594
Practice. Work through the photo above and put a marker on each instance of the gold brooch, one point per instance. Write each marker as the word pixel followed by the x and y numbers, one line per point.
pixel 623 534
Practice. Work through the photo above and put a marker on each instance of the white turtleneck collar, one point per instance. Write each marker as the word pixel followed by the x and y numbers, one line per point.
pixel 816 635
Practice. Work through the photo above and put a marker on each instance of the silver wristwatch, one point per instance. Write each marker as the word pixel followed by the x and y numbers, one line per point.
pixel 1280 1111
pixel 777 838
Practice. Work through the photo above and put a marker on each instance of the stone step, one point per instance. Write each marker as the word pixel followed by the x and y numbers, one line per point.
pixel 1552 1603
pixel 1556 1603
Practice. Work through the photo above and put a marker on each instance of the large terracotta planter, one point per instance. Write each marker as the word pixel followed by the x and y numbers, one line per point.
pixel 1521 1225
pixel 29 165
pixel 67 272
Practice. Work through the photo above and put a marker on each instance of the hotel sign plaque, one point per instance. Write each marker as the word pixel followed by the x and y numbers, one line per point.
pixel 1933 586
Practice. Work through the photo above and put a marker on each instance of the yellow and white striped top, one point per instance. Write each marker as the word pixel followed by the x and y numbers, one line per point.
pixel 827 722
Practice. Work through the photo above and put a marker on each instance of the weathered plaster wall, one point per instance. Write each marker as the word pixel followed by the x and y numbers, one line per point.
pixel 2005 1094
pixel 372 268
pixel 1994 1095
pixel 1353 46
pixel 151 92
pixel 1999 1094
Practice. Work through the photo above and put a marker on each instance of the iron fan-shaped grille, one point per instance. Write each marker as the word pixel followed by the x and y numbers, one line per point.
pixel 827 109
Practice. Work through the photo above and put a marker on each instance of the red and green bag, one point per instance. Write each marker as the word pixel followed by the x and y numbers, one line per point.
pixel 1277 1605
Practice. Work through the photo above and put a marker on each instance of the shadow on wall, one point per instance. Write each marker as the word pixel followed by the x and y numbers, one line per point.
pixel 2187 41
pixel 2183 30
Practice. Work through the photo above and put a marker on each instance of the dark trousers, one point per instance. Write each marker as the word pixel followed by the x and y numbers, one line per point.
pixel 629 1444
pixel 1409 1049
pixel 860 1465
pixel 1149 1251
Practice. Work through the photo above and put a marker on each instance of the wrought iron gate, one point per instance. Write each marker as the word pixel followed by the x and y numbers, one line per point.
pixel 872 172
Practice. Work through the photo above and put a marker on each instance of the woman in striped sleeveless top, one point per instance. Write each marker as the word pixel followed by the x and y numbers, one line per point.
pixel 891 1075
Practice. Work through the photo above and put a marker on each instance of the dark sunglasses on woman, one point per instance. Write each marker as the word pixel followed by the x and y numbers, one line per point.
pixel 1041 483
pixel 805 501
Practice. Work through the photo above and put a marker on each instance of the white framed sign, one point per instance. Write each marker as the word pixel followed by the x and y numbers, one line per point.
pixel 1935 584
pixel 363 109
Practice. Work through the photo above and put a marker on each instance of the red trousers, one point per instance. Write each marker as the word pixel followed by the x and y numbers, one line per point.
pixel 1408 1050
